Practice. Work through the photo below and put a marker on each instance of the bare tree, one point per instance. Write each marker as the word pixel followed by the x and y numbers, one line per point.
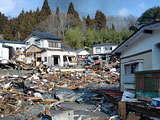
pixel 54 24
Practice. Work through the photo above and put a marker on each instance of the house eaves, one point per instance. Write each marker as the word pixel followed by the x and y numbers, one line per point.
pixel 141 31
pixel 43 35
pixel 11 42
pixel 105 44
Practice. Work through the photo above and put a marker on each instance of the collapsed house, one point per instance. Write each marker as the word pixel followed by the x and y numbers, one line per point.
pixel 46 48
pixel 8 49
pixel 139 59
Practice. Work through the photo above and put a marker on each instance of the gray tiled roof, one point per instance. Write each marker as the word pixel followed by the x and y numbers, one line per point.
pixel 13 42
pixel 44 35
pixel 105 44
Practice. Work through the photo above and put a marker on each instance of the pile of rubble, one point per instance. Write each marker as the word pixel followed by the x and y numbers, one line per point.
pixel 45 89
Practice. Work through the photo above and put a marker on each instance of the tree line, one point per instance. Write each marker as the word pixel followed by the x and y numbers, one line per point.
pixel 17 29
pixel 77 33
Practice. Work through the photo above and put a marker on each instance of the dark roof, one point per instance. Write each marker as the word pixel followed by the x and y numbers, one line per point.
pixel 105 44
pixel 44 35
pixel 66 48
pixel 79 50
pixel 134 34
pixel 13 42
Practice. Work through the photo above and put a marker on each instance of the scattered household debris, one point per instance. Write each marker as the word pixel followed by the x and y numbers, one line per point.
pixel 48 89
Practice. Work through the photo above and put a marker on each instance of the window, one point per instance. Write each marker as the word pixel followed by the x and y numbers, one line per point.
pixel 127 69
pixel 106 49
pixel 55 44
pixel 131 68
pixel 38 59
pixel 28 43
pixel 59 45
pixel 98 50
pixel 37 42
pixel 45 59
pixel 50 44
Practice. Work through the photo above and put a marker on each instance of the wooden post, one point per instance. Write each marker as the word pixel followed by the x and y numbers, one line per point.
pixel 0 101
pixel 122 110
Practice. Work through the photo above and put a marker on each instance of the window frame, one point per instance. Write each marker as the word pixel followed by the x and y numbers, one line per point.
pixel 54 44
pixel 97 49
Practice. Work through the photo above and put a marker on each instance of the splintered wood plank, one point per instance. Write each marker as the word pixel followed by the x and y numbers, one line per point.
pixel 122 110
pixel 44 100
pixel 13 92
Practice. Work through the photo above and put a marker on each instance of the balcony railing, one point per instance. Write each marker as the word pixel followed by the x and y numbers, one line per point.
pixel 148 80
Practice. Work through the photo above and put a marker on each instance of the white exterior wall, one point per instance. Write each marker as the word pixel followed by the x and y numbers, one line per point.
pixel 149 60
pixel 1 51
pixel 144 62
pixel 43 43
pixel 5 53
pixel 144 43
pixel 60 53
pixel 103 51
pixel 45 54
pixel 23 46
pixel 31 40
pixel 114 47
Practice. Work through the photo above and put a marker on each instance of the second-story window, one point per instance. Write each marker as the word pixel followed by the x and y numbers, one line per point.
pixel 28 43
pixel 55 44
pixel 105 48
pixel 98 50
pixel 37 42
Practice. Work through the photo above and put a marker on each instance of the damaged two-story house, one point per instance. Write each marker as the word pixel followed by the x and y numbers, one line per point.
pixel 103 51
pixel 8 49
pixel 46 48
pixel 140 61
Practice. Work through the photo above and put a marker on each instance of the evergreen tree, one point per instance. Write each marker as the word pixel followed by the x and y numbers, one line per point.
pixel 100 20
pixel 89 23
pixel 7 31
pixel 3 20
pixel 158 15
pixel 149 16
pixel 57 11
pixel 113 28
pixel 73 17
pixel 57 21
pixel 132 28
pixel 37 15
pixel 71 9
pixel 45 11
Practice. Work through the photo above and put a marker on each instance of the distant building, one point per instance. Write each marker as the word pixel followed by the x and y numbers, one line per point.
pixel 44 47
pixel 8 49
pixel 82 53
pixel 103 51
pixel 140 61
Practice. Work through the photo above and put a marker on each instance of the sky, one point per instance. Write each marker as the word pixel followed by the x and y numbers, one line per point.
pixel 124 8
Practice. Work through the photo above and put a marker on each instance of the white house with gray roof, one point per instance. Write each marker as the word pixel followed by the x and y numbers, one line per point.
pixel 103 51
pixel 44 47
pixel 8 49
pixel 140 55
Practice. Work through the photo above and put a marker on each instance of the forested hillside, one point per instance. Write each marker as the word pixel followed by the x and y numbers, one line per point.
pixel 77 32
